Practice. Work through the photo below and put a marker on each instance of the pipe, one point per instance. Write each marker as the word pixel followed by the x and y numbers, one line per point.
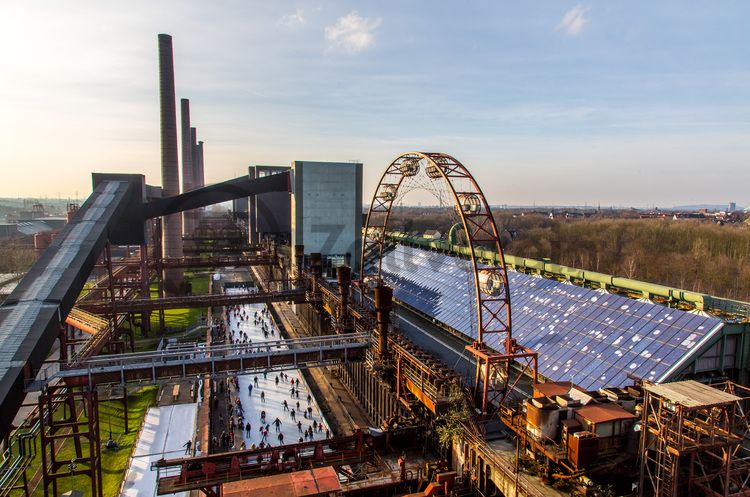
pixel 383 306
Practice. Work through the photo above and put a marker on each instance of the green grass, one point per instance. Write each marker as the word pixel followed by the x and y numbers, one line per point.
pixel 114 462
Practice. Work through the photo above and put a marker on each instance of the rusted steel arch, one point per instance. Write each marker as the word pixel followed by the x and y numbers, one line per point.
pixel 491 291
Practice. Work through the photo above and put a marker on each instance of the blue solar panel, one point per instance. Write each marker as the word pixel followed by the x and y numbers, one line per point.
pixel 590 337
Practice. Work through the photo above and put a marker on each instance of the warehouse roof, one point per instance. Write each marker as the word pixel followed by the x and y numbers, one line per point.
pixel 691 393
pixel 603 413
pixel 589 337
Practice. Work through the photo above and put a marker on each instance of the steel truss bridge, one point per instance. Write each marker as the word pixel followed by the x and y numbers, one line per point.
pixel 217 360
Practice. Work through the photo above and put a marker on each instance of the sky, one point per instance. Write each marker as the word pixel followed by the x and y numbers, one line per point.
pixel 625 103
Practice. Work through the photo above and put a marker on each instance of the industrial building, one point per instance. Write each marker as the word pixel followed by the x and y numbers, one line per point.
pixel 328 355
pixel 325 210
pixel 270 213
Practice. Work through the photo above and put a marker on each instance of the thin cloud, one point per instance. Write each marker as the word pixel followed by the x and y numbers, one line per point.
pixel 352 33
pixel 574 20
pixel 293 20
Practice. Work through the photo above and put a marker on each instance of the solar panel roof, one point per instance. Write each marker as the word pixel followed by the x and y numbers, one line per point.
pixel 590 337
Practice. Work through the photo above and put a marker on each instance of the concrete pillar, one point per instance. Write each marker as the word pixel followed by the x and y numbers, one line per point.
pixel 187 163
pixel 170 174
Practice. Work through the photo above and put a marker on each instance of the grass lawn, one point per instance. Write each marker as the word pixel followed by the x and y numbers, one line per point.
pixel 183 318
pixel 114 462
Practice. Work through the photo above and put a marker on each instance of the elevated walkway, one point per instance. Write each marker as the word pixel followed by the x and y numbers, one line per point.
pixel 218 361
pixel 212 300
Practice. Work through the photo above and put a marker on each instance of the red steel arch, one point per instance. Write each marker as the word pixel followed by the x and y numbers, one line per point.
pixel 491 292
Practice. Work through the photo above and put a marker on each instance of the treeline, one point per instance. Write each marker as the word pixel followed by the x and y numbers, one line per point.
pixel 16 259
pixel 691 254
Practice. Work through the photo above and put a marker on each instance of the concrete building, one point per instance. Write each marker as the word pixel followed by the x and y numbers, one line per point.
pixel 269 213
pixel 327 210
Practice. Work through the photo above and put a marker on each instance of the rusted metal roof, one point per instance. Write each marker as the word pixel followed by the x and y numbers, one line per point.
pixel 552 388
pixel 603 413
pixel 692 394
pixel 308 483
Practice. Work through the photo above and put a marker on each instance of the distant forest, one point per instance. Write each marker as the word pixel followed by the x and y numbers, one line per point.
pixel 696 255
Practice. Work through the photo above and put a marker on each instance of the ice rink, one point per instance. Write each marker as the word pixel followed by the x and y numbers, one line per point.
pixel 165 431
pixel 242 325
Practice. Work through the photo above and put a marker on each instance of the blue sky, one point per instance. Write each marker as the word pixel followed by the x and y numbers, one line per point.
pixel 612 103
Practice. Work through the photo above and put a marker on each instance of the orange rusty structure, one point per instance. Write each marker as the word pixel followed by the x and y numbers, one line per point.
pixel 493 378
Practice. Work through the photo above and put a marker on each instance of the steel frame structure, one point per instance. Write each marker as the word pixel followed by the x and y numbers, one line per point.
pixel 491 292
pixel 701 450
pixel 207 473
pixel 84 432
pixel 217 360
pixel 141 305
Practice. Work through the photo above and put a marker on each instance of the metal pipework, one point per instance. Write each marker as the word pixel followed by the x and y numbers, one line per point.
pixel 383 306
pixel 344 277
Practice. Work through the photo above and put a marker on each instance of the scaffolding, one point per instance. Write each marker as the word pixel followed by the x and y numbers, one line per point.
pixel 695 440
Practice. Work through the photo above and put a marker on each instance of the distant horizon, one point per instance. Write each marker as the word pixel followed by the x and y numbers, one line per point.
pixel 694 206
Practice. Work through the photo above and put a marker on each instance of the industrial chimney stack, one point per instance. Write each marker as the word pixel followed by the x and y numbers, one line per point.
pixel 188 182
pixel 170 174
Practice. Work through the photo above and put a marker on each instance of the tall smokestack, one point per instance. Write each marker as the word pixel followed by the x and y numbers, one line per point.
pixel 197 178
pixel 187 163
pixel 170 174
pixel 201 177
pixel 197 160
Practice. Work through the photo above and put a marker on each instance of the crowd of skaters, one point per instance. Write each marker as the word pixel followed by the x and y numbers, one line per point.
pixel 262 406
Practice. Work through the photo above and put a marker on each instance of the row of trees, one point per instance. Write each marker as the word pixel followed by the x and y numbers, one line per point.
pixel 16 258
pixel 691 254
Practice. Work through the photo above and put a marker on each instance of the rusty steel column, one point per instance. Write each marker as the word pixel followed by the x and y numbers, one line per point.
pixel 299 259
pixel 170 174
pixel 383 306
pixel 187 163
pixel 344 277
pixel 316 268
